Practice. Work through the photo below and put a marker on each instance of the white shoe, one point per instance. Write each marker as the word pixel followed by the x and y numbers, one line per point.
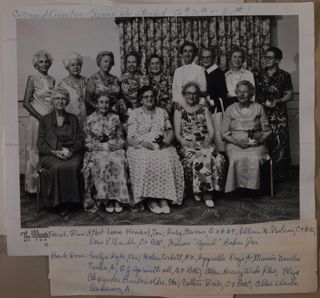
pixel 197 197
pixel 164 207
pixel 154 208
pixel 208 200
pixel 209 203
pixel 117 207
pixel 109 207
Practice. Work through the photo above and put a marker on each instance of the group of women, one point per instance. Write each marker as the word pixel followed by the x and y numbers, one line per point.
pixel 110 142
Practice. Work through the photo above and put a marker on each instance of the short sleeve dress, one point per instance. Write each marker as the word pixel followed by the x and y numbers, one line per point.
pixel 153 173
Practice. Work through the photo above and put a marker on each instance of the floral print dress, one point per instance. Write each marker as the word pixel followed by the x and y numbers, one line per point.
pixel 130 84
pixel 203 166
pixel 164 91
pixel 105 172
pixel 279 145
pixel 154 173
pixel 76 89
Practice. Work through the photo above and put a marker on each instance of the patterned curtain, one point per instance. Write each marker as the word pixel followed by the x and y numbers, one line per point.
pixel 163 36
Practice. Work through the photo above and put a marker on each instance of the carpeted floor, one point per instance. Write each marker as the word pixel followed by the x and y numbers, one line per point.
pixel 235 208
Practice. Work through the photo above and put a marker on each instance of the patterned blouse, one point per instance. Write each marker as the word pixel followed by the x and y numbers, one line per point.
pixel 130 84
pixel 148 128
pixel 164 90
pixel 280 79
pixel 101 129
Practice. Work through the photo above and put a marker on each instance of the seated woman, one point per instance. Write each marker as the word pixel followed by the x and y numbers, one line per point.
pixel 60 144
pixel 105 166
pixel 203 166
pixel 155 170
pixel 245 129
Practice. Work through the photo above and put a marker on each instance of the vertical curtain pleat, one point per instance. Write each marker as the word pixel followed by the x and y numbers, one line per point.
pixel 163 36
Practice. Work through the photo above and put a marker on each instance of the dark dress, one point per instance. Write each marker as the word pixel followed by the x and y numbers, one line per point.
pixel 163 87
pixel 279 146
pixel 216 87
pixel 60 179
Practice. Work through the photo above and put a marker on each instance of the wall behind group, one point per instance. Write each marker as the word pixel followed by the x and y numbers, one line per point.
pixel 89 36
pixel 61 37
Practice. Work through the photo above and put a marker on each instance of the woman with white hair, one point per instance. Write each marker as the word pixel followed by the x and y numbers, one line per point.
pixel 37 102
pixel 245 128
pixel 75 84
pixel 60 144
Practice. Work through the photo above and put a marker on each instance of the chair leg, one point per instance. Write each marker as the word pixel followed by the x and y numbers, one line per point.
pixel 266 179
pixel 271 178
pixel 38 192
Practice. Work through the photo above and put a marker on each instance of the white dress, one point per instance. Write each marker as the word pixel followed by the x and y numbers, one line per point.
pixel 154 173
pixel 185 74
pixel 41 102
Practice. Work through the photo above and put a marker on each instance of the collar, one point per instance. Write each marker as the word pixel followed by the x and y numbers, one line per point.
pixel 212 68
pixel 53 118
pixel 242 69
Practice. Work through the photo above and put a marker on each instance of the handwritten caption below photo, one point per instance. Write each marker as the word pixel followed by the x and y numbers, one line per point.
pixel 172 260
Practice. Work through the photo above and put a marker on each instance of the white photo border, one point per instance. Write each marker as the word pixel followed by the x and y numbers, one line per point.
pixel 17 243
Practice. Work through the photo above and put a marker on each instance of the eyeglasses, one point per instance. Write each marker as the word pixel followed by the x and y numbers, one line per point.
pixel 238 92
pixel 148 97
pixel 269 57
pixel 189 94
pixel 59 98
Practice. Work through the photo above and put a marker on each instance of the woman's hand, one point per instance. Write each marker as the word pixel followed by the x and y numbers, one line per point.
pixel 272 89
pixel 134 143
pixel 207 142
pixel 189 144
pixel 147 145
pixel 115 146
pixel 59 154
pixel 242 144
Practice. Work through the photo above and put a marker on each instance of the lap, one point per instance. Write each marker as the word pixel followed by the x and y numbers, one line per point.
pixel 51 162
pixel 235 152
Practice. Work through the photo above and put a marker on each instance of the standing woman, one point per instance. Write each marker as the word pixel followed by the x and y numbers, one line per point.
pixel 236 74
pixel 132 80
pixel 188 72
pixel 75 84
pixel 37 101
pixel 160 82
pixel 102 81
pixel 274 90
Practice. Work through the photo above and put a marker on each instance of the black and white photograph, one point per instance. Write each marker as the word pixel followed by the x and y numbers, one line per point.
pixel 159 116
pixel 158 120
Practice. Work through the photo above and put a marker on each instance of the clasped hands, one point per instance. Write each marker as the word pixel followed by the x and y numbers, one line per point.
pixel 63 154
pixel 244 145
pixel 195 145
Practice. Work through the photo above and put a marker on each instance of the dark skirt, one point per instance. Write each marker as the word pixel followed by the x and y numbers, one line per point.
pixel 279 143
pixel 60 180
